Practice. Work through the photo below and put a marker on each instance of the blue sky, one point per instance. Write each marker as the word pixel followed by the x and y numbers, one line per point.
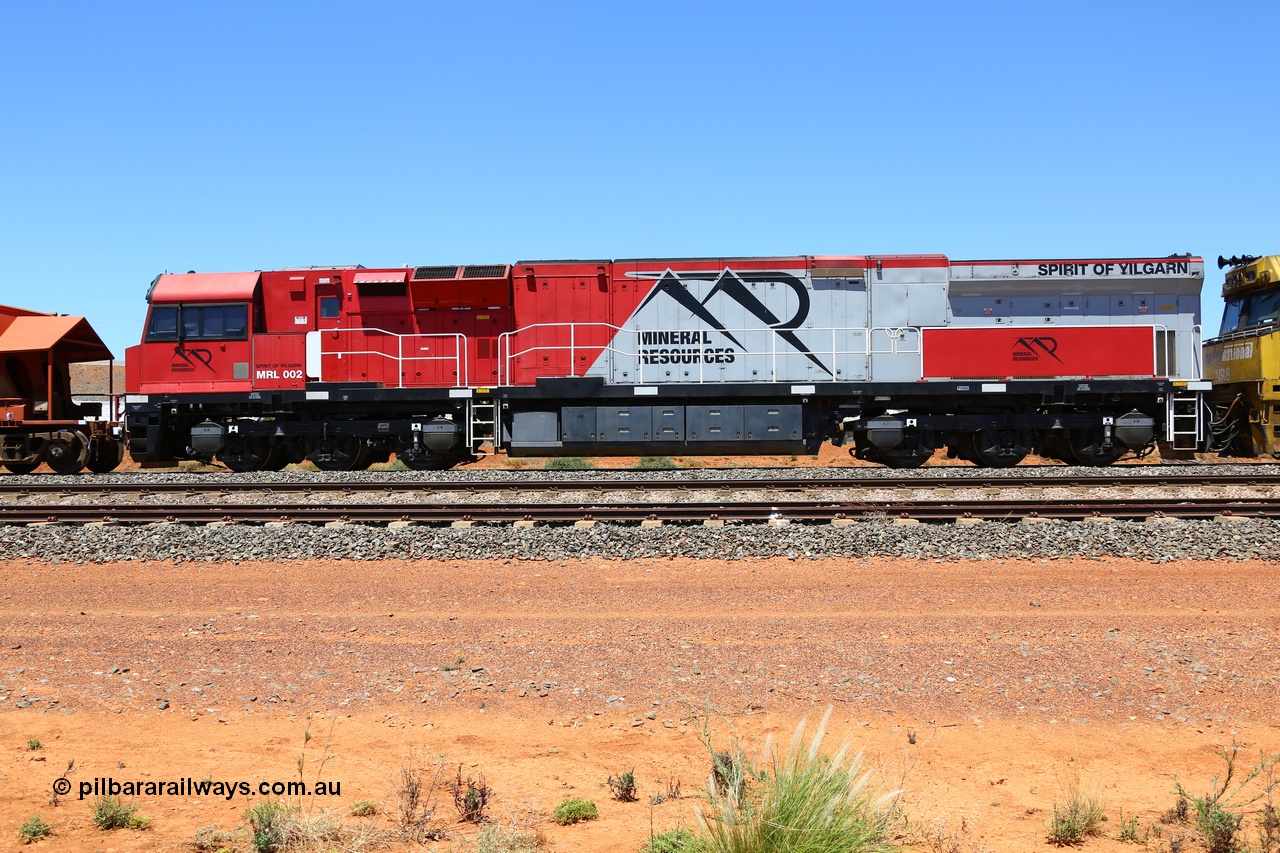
pixel 144 137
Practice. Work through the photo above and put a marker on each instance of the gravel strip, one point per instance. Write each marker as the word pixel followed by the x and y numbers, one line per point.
pixel 523 476
pixel 1248 539
pixel 658 494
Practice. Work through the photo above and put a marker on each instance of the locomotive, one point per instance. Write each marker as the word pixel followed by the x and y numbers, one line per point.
pixel 39 420
pixel 1243 360
pixel 896 356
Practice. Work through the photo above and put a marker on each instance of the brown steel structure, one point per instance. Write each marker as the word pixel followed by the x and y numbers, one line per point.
pixel 39 421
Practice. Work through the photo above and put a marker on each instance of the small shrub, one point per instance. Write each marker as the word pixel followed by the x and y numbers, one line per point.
pixel 567 463
pixel 1219 828
pixel 364 808
pixel 624 786
pixel 213 837
pixel 1269 827
pixel 496 838
pixel 33 830
pixel 1214 812
pixel 452 667
pixel 269 824
pixel 575 810
pixel 655 463
pixel 1076 819
pixel 675 841
pixel 470 797
pixel 114 813
pixel 1178 812
pixel 34 744
pixel 1129 829
pixel 939 837
pixel 417 796
pixel 726 773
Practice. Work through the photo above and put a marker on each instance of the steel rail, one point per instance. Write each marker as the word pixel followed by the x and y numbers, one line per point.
pixel 758 511
pixel 783 483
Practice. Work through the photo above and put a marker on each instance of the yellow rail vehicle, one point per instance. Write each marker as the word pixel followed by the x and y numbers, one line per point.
pixel 1243 361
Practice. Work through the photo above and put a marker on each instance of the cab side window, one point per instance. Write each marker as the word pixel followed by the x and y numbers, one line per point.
pixel 1231 317
pixel 199 323
pixel 164 324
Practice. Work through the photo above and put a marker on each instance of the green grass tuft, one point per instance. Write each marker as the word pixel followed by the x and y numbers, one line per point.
pixel 567 463
pixel 34 830
pixel 675 841
pixel 364 808
pixel 1079 816
pixel 496 838
pixel 798 800
pixel 269 824
pixel 115 813
pixel 575 810
pixel 655 463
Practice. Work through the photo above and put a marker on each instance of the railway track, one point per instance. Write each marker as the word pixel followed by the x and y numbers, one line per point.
pixel 142 485
pixel 776 512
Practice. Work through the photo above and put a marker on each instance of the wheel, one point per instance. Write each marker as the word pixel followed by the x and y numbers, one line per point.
pixel 243 455
pixel 22 467
pixel 277 457
pixel 1087 450
pixel 341 453
pixel 992 448
pixel 104 456
pixel 66 454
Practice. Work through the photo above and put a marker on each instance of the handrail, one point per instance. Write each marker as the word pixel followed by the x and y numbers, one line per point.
pixel 459 356
pixel 898 337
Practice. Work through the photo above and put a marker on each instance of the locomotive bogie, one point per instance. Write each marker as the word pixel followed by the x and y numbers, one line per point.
pixel 286 430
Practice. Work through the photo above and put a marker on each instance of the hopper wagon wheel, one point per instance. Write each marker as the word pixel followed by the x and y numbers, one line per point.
pixel 22 467
pixel 342 453
pixel 104 456
pixel 66 454
pixel 245 454
pixel 991 448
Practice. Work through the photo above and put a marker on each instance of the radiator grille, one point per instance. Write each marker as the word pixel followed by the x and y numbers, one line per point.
pixel 486 271
pixel 425 273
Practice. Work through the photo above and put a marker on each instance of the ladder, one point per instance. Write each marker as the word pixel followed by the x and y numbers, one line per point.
pixel 1187 419
pixel 482 425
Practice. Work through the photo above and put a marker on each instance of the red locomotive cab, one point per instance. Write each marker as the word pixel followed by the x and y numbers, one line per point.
pixel 199 336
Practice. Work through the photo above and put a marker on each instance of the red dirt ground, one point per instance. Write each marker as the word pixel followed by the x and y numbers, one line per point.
pixel 1014 678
